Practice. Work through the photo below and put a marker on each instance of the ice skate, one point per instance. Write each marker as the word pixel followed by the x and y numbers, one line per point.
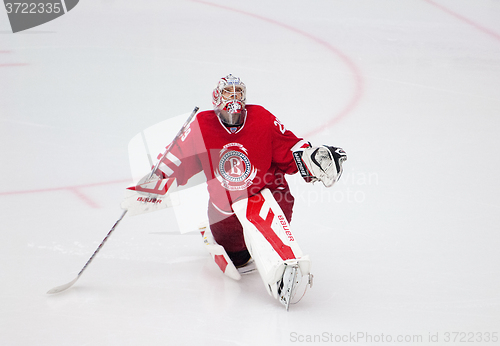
pixel 247 268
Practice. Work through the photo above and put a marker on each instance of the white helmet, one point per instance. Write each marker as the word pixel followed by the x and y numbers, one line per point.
pixel 229 100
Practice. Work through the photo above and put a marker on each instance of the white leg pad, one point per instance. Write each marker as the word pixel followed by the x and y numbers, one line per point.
pixel 219 254
pixel 269 239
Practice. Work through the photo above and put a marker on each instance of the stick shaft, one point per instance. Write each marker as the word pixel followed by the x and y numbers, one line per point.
pixel 103 241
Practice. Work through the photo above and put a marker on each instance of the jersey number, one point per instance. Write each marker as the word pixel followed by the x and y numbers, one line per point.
pixel 280 126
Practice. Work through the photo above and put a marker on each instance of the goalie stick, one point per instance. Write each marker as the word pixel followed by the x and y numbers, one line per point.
pixel 64 287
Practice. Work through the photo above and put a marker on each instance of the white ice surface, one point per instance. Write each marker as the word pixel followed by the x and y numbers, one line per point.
pixel 406 244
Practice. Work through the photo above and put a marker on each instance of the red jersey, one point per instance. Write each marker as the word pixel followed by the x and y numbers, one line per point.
pixel 237 162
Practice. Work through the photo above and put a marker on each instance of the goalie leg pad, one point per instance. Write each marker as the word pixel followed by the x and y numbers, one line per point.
pixel 218 253
pixel 271 243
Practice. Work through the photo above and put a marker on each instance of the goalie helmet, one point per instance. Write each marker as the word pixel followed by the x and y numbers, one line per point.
pixel 229 99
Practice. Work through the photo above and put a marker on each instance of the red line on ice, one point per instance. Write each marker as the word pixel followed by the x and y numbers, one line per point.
pixel 466 20
pixel 358 79
pixel 10 64
pixel 52 189
pixel 75 189
pixel 83 197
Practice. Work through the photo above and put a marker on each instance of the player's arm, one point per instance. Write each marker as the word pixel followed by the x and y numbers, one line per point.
pixel 174 168
pixel 164 174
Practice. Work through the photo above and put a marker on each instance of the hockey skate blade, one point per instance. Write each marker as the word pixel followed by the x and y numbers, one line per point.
pixel 64 287
pixel 289 281
pixel 248 268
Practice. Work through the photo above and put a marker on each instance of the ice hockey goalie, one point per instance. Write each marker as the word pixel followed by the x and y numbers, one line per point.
pixel 245 152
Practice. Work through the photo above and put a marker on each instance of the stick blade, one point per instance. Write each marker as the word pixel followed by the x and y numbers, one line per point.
pixel 64 287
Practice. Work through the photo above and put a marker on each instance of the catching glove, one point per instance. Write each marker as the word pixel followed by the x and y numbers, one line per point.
pixel 322 163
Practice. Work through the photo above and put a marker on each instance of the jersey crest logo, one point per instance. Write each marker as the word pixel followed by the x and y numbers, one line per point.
pixel 235 171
